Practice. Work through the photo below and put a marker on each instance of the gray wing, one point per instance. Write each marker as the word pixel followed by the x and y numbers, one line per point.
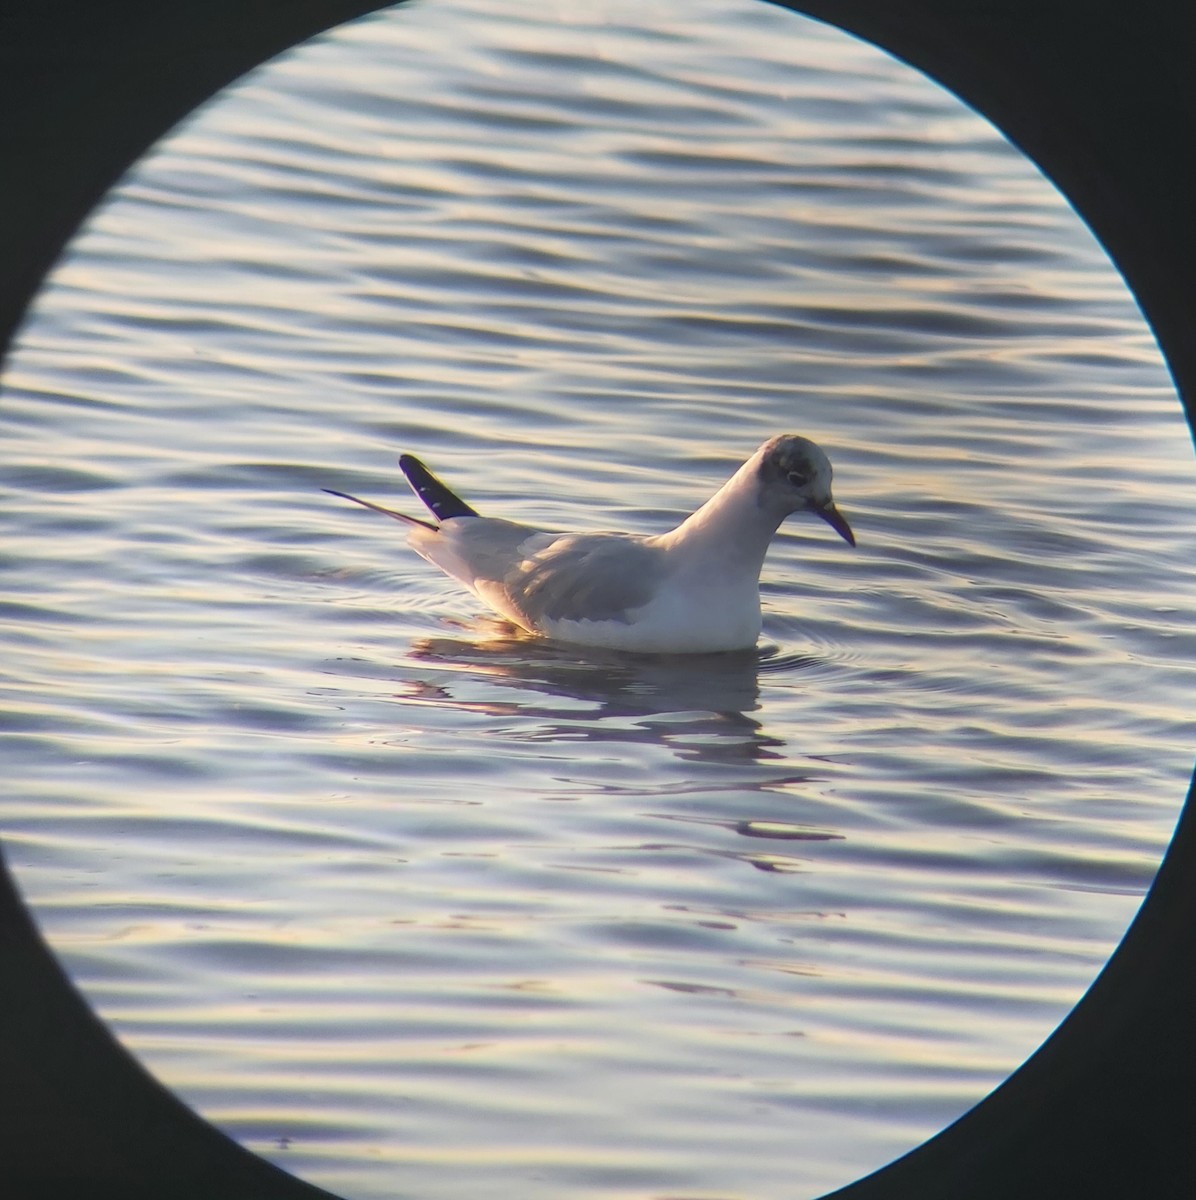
pixel 532 576
pixel 585 577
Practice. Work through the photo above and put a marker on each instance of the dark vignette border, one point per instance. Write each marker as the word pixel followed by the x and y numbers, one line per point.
pixel 1101 94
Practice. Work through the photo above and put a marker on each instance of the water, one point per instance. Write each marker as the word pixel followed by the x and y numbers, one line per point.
pixel 415 906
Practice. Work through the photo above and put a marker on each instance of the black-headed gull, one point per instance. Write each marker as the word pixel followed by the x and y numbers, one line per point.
pixel 693 590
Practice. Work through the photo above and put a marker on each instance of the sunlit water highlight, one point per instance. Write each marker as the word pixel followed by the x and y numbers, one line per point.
pixel 418 907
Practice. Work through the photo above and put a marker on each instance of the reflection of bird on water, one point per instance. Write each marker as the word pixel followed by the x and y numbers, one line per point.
pixel 695 707
pixel 693 590
pixel 620 685
pixel 698 706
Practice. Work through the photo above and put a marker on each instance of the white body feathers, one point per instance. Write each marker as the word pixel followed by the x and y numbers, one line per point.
pixel 694 589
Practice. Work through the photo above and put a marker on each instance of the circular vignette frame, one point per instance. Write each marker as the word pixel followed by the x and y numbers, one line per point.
pixel 1100 95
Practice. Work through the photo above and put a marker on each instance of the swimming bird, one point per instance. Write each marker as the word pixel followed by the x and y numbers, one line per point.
pixel 693 590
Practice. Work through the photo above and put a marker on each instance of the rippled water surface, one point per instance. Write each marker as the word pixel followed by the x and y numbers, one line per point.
pixel 415 906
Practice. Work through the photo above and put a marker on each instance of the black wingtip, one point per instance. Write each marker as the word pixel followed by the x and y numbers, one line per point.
pixel 442 502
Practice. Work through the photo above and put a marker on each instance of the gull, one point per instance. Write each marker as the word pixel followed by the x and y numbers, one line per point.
pixel 693 590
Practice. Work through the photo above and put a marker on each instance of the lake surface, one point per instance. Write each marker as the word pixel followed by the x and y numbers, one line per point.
pixel 416 906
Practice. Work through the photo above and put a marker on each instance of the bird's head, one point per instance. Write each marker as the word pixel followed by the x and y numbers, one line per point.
pixel 795 476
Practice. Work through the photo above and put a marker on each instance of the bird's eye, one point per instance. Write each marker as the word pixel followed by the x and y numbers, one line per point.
pixel 798 479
